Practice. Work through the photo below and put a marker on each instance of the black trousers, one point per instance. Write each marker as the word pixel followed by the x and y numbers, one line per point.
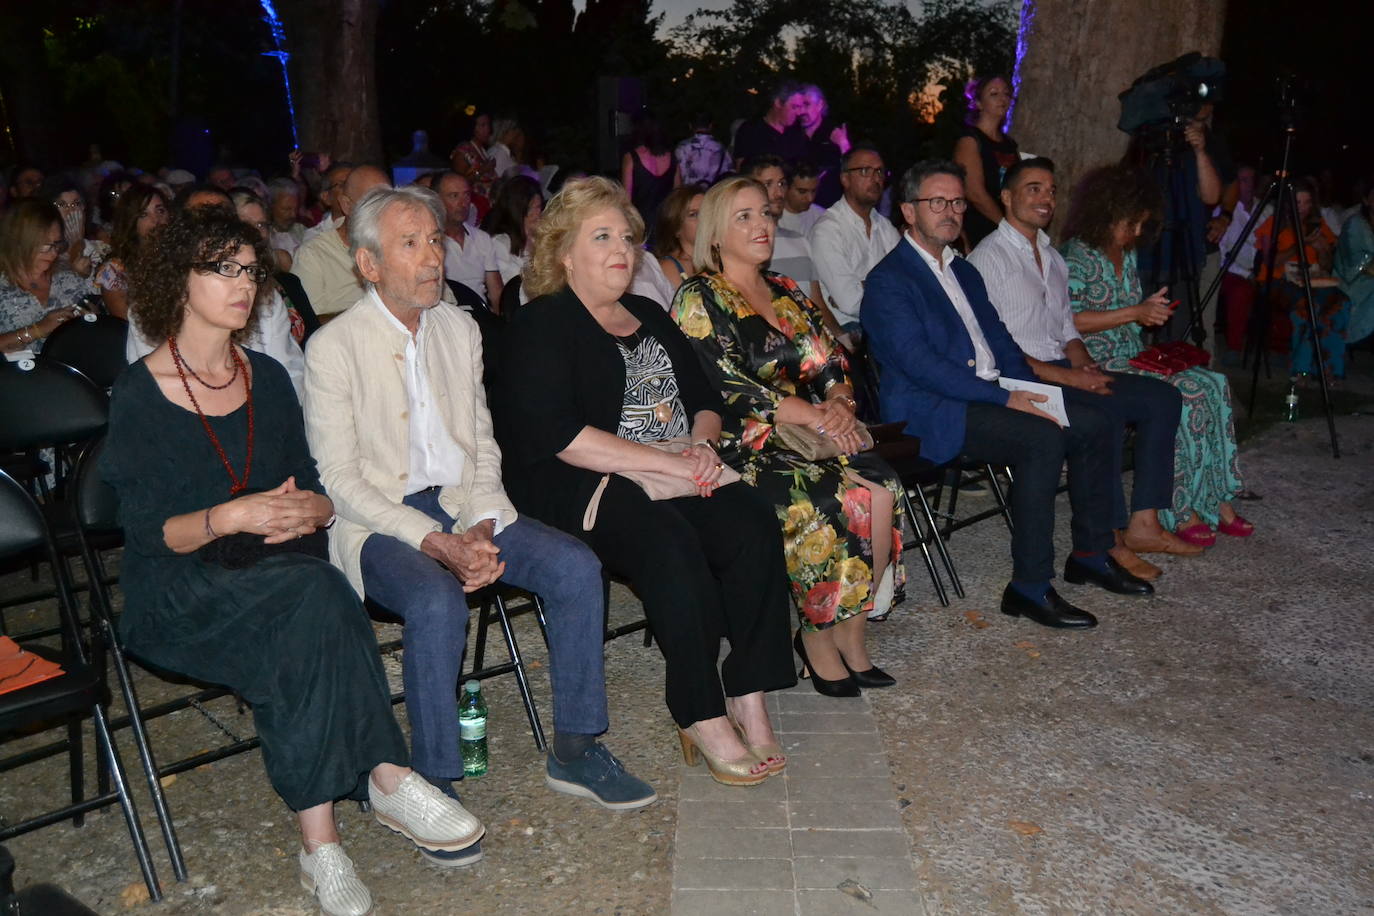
pixel 1036 449
pixel 705 568
pixel 1154 407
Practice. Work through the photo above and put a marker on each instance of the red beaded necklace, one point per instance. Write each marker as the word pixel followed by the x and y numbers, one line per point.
pixel 236 485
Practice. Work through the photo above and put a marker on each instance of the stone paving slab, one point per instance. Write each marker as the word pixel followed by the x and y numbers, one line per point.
pixel 830 829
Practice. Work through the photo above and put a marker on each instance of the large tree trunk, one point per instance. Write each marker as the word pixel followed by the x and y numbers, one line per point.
pixel 334 76
pixel 1079 54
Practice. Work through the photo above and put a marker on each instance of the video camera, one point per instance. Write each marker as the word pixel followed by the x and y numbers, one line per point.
pixel 1161 103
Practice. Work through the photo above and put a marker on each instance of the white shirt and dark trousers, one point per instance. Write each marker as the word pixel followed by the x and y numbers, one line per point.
pixel 400 428
pixel 1034 305
pixel 941 349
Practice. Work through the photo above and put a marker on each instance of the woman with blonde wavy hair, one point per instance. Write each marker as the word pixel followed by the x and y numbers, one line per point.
pixel 616 379
pixel 763 345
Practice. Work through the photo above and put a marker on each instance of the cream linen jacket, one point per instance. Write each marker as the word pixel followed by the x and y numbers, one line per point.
pixel 357 421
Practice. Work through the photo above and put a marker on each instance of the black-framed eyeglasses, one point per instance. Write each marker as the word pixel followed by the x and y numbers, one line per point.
pixel 869 171
pixel 231 269
pixel 938 204
pixel 56 247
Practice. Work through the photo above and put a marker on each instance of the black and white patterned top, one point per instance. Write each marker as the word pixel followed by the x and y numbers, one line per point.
pixel 651 392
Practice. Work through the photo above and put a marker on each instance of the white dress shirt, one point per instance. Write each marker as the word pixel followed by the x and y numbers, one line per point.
pixel 469 262
pixel 1034 305
pixel 844 251
pixel 435 459
pixel 984 366
pixel 801 222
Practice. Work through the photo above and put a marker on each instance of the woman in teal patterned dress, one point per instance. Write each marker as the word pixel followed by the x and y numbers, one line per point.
pixel 762 343
pixel 1110 208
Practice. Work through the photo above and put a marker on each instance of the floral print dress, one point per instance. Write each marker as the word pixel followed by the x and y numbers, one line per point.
pixel 826 515
pixel 1206 461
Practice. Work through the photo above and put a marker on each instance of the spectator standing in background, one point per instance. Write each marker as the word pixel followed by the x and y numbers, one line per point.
pixel 777 132
pixel 701 158
pixel 985 152
pixel 827 142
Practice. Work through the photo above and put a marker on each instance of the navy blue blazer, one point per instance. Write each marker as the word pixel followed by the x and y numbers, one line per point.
pixel 924 352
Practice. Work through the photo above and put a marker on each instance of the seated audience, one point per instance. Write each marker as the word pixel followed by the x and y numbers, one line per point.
pixel 25 181
pixel 470 256
pixel 323 264
pixel 763 345
pixel 111 189
pixel 986 152
pixel 397 417
pixel 514 215
pixel 1328 302
pixel 1110 207
pixel 850 238
pixel 616 377
pixel 227 580
pixel 676 233
pixel 1354 267
pixel 1028 283
pixel 648 171
pixel 36 295
pixel 942 349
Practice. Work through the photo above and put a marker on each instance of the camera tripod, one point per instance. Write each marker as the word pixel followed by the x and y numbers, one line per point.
pixel 1182 274
pixel 1284 201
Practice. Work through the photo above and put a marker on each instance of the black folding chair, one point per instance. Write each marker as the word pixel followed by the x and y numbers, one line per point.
pixel 49 405
pixel 78 692
pixel 93 348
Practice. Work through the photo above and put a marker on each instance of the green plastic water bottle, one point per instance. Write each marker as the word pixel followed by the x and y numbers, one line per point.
pixel 1290 402
pixel 472 730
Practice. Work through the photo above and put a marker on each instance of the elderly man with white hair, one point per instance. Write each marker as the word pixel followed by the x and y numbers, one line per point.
pixel 397 419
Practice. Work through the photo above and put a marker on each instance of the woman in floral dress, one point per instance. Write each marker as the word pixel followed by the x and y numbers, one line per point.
pixel 761 341
pixel 1110 208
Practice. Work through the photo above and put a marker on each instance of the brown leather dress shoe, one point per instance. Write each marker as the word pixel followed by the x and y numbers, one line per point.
pixel 1133 564
pixel 1164 542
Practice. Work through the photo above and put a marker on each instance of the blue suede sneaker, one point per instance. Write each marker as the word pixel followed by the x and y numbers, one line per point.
pixel 463 857
pixel 598 775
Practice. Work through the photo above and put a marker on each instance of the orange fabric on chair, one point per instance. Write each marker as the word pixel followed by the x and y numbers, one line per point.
pixel 19 668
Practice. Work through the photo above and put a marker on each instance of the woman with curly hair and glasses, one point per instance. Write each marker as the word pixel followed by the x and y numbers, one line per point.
pixel 226 577
pixel 1110 209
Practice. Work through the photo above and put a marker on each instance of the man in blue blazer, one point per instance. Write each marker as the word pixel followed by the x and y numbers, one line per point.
pixel 941 348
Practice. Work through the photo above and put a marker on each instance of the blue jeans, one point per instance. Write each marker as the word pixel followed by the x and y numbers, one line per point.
pixel 558 567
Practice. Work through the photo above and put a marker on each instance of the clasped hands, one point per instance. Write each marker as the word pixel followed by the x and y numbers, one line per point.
pixel 280 514
pixel 471 556
pixel 698 463
pixel 837 421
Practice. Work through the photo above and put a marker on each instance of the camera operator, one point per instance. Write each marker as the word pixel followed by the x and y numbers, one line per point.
pixel 1201 158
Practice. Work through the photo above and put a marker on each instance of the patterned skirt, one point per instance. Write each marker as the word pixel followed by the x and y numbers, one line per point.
pixel 827 526
pixel 1206 460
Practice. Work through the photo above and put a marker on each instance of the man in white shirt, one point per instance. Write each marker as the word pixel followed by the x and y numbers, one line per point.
pixel 942 350
pixel 1028 283
pixel 469 255
pixel 851 238
pixel 397 419
pixel 323 264
pixel 800 211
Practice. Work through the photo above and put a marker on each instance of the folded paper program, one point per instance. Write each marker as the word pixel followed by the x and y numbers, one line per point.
pixel 20 668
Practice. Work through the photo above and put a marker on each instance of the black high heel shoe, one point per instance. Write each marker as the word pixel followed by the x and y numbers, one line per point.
pixel 844 687
pixel 873 677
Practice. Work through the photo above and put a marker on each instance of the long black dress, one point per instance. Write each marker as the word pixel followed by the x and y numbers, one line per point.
pixel 288 633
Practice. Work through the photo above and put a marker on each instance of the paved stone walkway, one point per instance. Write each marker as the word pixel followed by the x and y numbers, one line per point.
pixel 825 837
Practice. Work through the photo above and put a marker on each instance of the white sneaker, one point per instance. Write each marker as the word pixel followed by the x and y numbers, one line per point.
pixel 328 874
pixel 424 815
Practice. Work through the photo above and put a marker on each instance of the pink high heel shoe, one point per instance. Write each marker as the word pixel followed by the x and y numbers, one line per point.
pixel 1237 527
pixel 1197 533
